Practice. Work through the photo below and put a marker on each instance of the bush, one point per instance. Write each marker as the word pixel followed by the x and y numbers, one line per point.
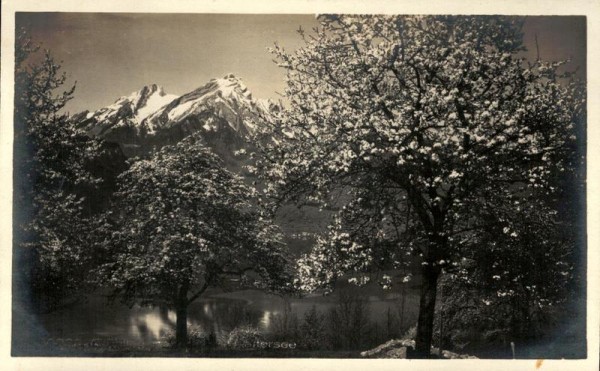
pixel 410 334
pixel 238 314
pixel 201 339
pixel 285 325
pixel 197 338
pixel 348 321
pixel 244 337
pixel 313 330
pixel 168 337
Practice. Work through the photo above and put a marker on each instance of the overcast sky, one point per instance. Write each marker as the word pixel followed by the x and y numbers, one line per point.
pixel 111 55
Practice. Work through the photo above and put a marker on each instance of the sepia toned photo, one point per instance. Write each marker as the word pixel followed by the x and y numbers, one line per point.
pixel 346 186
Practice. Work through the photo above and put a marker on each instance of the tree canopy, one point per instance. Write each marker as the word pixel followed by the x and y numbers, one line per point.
pixel 185 223
pixel 50 167
pixel 433 129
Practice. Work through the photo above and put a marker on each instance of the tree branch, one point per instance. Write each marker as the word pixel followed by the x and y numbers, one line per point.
pixel 199 292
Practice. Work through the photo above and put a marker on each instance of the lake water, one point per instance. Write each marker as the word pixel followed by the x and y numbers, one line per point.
pixel 98 319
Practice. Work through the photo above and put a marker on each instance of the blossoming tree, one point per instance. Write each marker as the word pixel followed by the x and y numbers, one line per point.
pixel 418 127
pixel 184 224
pixel 51 178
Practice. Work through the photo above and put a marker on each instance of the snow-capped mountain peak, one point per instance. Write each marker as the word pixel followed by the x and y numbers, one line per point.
pixel 150 99
pixel 230 85
pixel 144 101
pixel 223 110
pixel 132 108
pixel 227 98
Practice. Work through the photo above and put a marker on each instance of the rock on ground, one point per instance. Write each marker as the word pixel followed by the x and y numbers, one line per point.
pixel 397 348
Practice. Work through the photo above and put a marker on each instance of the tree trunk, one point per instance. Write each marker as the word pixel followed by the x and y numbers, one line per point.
pixel 441 341
pixel 181 337
pixel 424 336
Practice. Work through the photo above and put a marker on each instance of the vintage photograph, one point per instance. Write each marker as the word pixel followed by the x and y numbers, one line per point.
pixel 299 186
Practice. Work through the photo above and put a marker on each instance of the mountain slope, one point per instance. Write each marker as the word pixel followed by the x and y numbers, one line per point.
pixel 228 98
pixel 129 110
pixel 222 110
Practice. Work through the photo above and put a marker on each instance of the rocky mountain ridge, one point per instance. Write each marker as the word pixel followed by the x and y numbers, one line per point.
pixel 223 110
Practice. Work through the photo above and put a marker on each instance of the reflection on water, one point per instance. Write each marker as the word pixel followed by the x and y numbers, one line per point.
pixel 96 318
pixel 265 321
pixel 152 326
